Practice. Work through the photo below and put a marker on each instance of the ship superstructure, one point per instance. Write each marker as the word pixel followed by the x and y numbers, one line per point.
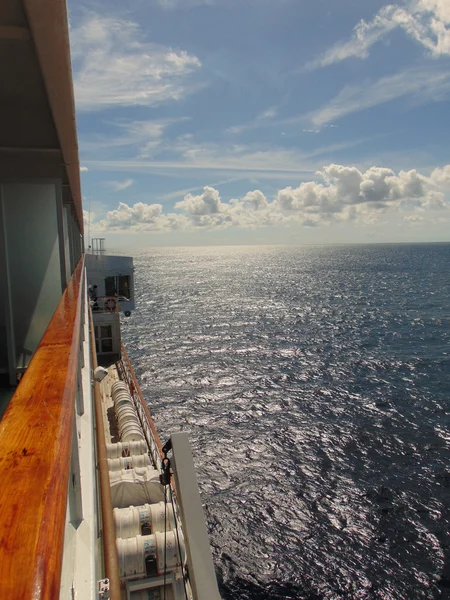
pixel 92 504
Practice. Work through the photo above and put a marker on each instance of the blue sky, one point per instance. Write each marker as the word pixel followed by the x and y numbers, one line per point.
pixel 263 121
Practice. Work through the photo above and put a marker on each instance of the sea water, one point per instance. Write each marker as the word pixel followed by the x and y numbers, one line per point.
pixel 314 384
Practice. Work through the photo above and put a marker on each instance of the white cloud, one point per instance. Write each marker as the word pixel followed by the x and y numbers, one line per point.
pixel 83 169
pixel 255 200
pixel 270 113
pixel 340 194
pixel 183 4
pixel 125 215
pixel 349 186
pixel 146 136
pixel 138 132
pixel 115 66
pixel 434 201
pixel 141 217
pixel 207 203
pixel 420 85
pixel 187 4
pixel 254 159
pixel 238 157
pixel 441 177
pixel 119 186
pixel 263 119
pixel 414 219
pixel 425 21
pixel 185 191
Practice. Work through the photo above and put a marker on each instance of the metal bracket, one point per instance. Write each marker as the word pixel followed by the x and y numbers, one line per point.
pixel 103 589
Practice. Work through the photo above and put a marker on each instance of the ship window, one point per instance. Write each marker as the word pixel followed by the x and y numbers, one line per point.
pixel 106 331
pixel 107 345
pixel 110 286
pixel 103 338
pixel 124 286
pixel 120 285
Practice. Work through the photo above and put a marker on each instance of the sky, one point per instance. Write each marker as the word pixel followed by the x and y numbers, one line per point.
pixel 263 121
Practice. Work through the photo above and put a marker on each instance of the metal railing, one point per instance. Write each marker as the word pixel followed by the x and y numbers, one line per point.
pixel 107 304
pixel 151 434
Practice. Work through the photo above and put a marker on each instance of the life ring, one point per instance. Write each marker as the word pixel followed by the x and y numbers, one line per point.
pixel 110 304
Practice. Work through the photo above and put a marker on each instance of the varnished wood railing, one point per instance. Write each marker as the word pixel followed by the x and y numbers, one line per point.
pixel 35 449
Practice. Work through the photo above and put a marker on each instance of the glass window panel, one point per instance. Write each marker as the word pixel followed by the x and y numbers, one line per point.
pixel 124 286
pixel 107 345
pixel 106 331
pixel 110 286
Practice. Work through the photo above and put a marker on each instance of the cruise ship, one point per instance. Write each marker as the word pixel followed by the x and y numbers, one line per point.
pixel 93 505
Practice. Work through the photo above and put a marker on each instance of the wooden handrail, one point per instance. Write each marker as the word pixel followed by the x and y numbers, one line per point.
pixel 35 449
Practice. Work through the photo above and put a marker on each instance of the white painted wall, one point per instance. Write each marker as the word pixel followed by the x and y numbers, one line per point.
pixel 82 562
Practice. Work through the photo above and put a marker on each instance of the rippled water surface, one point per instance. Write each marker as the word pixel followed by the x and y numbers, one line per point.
pixel 314 384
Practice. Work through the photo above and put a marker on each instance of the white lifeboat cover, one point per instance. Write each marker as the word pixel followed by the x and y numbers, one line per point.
pixel 135 487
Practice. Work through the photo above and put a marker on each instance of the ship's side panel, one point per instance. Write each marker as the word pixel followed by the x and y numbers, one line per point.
pixel 80 570
pixel 4 304
pixel 66 237
pixel 39 174
pixel 48 493
pixel 33 262
pixel 112 275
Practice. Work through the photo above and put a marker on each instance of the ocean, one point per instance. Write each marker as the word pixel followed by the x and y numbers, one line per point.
pixel 314 384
